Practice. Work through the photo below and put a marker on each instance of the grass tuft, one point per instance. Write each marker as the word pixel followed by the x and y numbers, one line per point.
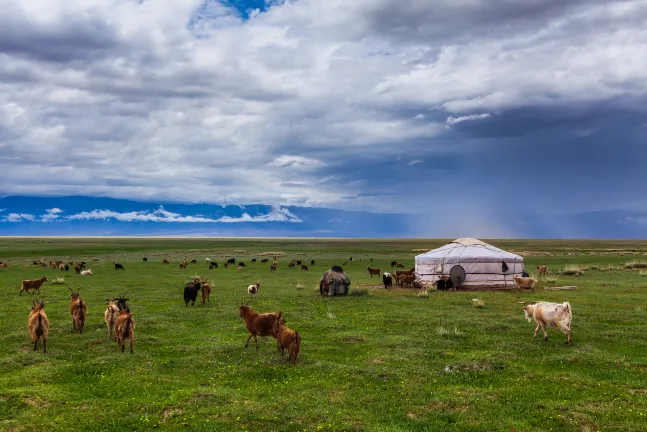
pixel 636 265
pixel 479 303
pixel 357 292
pixel 423 294
pixel 574 270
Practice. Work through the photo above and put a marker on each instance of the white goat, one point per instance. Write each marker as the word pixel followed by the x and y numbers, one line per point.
pixel 87 272
pixel 253 289
pixel 550 314
pixel 524 282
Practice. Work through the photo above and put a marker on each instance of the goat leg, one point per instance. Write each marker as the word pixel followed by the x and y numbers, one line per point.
pixel 131 342
pixel 536 331
pixel 256 341
pixel 248 338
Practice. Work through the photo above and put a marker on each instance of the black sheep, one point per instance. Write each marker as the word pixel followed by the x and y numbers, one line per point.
pixel 191 291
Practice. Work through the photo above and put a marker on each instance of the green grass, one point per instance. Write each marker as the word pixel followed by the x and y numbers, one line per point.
pixel 386 361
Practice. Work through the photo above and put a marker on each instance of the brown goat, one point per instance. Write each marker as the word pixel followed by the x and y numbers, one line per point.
pixel 292 263
pixel 206 291
pixel 257 324
pixel 304 267
pixel 79 311
pixel 182 265
pixel 110 317
pixel 273 267
pixel 125 328
pixel 264 260
pixel 287 338
pixel 373 271
pixel 38 325
pixel 164 261
pixel 398 265
pixel 542 270
pixel 27 285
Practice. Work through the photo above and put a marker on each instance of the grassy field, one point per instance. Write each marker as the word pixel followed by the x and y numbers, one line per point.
pixel 386 361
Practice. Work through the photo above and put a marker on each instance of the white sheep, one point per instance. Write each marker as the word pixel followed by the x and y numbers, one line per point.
pixel 87 272
pixel 208 260
pixel 550 314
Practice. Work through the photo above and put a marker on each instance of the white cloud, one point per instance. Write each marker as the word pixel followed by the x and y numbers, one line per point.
pixel 296 162
pixel 19 217
pixel 454 120
pixel 416 162
pixel 51 214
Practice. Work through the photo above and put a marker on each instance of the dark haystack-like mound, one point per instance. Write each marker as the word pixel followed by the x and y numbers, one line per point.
pixel 334 282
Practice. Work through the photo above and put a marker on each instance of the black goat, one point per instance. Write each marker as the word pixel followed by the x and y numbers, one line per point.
pixel 253 259
pixel 387 280
pixel 312 262
pixel 119 266
pixel 213 265
pixel 191 291
pixel 145 259
pixel 241 264
pixel 231 261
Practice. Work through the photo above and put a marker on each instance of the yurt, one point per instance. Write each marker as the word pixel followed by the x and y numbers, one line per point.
pixel 334 282
pixel 470 263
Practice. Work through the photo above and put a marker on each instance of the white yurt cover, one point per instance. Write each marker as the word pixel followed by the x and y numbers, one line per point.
pixel 482 263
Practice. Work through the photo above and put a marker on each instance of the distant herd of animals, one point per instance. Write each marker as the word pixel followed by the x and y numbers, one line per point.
pixel 121 325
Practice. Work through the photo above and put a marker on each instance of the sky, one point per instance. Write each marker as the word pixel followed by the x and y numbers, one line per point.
pixel 476 113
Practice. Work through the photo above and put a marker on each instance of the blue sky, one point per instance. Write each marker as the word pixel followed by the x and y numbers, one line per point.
pixel 481 116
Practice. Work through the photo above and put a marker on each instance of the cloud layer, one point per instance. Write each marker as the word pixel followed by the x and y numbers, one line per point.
pixel 312 103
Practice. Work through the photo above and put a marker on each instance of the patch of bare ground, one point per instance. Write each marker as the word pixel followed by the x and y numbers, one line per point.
pixel 169 412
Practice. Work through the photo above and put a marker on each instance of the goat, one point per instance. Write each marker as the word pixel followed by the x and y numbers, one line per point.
pixel 231 261
pixel 67 267
pixel 299 262
pixel 400 273
pixel 205 291
pixel 164 261
pixel 407 279
pixel 387 280
pixel 239 268
pixel 524 282
pixel 542 270
pixel 253 289
pixel 398 265
pixel 257 324
pixel 87 272
pixel 35 263
pixel 373 271
pixel 208 260
pixel 191 292
pixel 241 264
pixel 38 324
pixel 393 263
pixel 225 265
pixel 312 262
pixel 287 338
pixel 27 285
pixel 254 260
pixel 77 268
pixel 110 316
pixel 61 267
pixel 550 314
pixel 273 267
pixel 194 261
pixel 264 260
pixel 79 311
pixel 145 259
pixel 125 328
pixel 213 265
pixel 275 263
pixel 444 282
pixel 119 267
pixel 304 267
pixel 292 264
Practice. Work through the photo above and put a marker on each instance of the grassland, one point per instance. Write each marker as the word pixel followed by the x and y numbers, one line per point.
pixel 386 361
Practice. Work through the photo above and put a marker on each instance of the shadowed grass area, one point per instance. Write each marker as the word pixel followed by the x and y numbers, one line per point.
pixel 381 361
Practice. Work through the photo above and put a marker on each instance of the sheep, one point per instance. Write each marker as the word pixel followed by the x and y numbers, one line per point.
pixel 38 324
pixel 387 280
pixel 253 260
pixel 87 272
pixel 287 338
pixel 393 263
pixel 125 328
pixel 524 282
pixel 312 262
pixel 213 265
pixel 373 271
pixel 550 314
pixel 191 292
pixel 253 289
pixel 110 317
pixel 27 285
pixel 79 311
pixel 205 291
pixel 257 324
pixel 231 261
pixel 542 270
pixel 241 264
pixel 119 267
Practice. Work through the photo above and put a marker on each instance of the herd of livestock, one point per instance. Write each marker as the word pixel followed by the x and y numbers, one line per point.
pixel 121 325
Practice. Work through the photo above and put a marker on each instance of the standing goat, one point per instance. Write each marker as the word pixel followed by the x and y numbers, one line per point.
pixel 543 270
pixel 191 290
pixel 550 314
pixel 38 325
pixel 524 282
pixel 253 289
pixel 387 280
pixel 110 317
pixel 287 338
pixel 79 311
pixel 257 324
pixel 125 328
pixel 27 285
pixel 373 271
pixel 206 291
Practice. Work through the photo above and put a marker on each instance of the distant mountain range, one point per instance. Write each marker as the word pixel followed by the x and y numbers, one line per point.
pixel 88 216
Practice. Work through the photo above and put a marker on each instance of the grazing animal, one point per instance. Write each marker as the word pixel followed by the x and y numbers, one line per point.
pixel 444 283
pixel 304 267
pixel 125 328
pixel 542 270
pixel 275 262
pixel 87 272
pixel 351 259
pixel 257 324
pixel 400 273
pixel 253 289
pixel 77 268
pixel 35 263
pixel 299 262
pixel 205 291
pixel 525 282
pixel 38 325
pixel 550 314
pixel 287 338
pixel 393 263
pixel 61 267
pixel 79 311
pixel 191 292
pixel 119 267
pixel 194 261
pixel 231 261
pixel 208 260
pixel 213 265
pixel 273 267
pixel 373 271
pixel 253 259
pixel 225 265
pixel 398 265
pixel 67 267
pixel 182 265
pixel 387 280
pixel 110 317
pixel 241 264
pixel 27 285
pixel 312 262
pixel 408 279
pixel 264 260
pixel 164 261
pixel 292 264
pixel 145 259
pixel 239 268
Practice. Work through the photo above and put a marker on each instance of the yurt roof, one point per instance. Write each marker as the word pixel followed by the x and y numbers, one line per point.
pixel 467 250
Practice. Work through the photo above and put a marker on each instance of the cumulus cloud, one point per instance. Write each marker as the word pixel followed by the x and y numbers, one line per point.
pixel 195 101
pixel 19 217
pixel 51 214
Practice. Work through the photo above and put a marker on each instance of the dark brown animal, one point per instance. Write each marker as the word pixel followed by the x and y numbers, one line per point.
pixel 79 311
pixel 125 328
pixel 164 261
pixel 182 265
pixel 400 273
pixel 27 285
pixel 194 261
pixel 257 324
pixel 542 270
pixel 373 271
pixel 206 291
pixel 264 260
pixel 304 267
pixel 273 267
pixel 287 338
pixel 38 325
pixel 398 265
